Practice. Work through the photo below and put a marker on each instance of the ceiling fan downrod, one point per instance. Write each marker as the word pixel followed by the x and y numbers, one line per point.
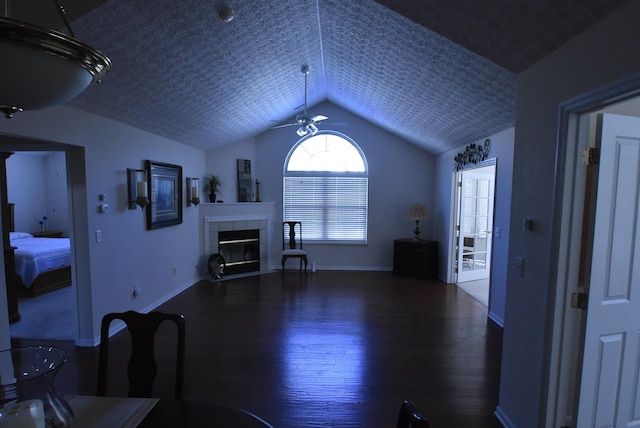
pixel 305 71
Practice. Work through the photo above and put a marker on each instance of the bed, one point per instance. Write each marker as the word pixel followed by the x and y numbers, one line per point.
pixel 42 264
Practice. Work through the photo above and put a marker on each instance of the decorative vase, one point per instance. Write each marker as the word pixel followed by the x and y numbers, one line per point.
pixel 212 197
pixel 27 396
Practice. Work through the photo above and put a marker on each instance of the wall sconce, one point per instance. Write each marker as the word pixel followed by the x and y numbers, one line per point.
pixel 137 184
pixel 193 190
pixel 417 212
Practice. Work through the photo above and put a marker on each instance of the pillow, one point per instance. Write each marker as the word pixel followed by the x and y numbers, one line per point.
pixel 19 235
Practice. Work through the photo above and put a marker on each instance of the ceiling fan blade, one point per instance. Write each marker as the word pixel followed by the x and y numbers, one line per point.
pixel 283 125
pixel 305 121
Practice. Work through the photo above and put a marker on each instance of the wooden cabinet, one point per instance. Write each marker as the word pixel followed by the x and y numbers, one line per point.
pixel 415 258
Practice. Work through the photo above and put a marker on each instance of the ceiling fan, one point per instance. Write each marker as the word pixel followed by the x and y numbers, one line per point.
pixel 304 121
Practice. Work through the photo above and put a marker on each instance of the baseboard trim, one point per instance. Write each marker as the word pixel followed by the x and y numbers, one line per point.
pixel 118 325
pixel 496 319
pixel 503 418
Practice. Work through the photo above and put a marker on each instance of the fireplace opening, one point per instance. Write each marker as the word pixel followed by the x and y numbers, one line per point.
pixel 240 249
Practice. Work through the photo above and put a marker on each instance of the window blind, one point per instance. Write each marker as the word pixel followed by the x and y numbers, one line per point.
pixel 331 208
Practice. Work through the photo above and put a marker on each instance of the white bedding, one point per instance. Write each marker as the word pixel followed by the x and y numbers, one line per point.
pixel 36 255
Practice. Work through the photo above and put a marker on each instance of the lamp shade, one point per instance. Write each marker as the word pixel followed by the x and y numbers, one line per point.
pixel 418 212
pixel 43 68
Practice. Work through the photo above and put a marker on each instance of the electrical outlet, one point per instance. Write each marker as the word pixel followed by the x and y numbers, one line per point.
pixel 98 235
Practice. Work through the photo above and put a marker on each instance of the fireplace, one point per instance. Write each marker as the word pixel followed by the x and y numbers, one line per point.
pixel 240 250
pixel 256 250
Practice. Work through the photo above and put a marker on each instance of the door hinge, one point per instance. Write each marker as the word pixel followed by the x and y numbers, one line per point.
pixel 459 183
pixel 579 300
pixel 590 156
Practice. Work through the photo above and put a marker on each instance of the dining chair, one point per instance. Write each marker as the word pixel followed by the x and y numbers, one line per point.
pixel 409 417
pixel 142 367
pixel 292 243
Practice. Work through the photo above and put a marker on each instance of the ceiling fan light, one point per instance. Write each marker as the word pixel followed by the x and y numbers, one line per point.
pixel 302 131
pixel 312 128
pixel 44 67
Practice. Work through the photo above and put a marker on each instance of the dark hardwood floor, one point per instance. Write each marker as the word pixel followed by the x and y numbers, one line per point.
pixel 325 349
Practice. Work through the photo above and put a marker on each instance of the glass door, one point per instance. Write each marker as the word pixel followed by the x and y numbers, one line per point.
pixel 475 223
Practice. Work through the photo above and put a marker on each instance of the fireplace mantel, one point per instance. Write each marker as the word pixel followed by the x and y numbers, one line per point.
pixel 237 209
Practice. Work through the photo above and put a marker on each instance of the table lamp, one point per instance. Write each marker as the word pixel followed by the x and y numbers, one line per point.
pixel 417 212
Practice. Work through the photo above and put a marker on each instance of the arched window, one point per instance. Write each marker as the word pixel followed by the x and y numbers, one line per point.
pixel 326 188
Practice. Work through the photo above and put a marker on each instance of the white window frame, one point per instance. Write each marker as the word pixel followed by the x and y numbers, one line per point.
pixel 325 212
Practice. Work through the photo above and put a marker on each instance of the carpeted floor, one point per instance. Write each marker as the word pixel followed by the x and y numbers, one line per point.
pixel 50 316
pixel 479 290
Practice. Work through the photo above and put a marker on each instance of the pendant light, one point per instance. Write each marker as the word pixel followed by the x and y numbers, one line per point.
pixel 42 67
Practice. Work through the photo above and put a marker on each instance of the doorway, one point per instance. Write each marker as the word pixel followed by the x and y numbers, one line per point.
pixel 78 233
pixel 50 312
pixel 573 357
pixel 474 196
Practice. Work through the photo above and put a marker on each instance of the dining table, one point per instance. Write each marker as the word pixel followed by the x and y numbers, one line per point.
pixel 127 412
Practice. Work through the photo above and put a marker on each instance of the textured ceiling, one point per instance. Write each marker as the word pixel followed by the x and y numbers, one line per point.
pixel 512 33
pixel 180 72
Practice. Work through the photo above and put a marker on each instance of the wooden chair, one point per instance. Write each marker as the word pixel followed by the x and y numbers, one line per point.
pixel 292 247
pixel 409 417
pixel 142 367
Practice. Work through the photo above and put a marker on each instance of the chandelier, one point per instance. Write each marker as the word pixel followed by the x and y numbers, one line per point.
pixel 42 67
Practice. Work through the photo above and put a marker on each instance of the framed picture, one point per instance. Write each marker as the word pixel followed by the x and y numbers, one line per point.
pixel 165 194
pixel 245 183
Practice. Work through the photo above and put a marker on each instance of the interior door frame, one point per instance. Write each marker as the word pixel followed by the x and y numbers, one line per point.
pixel 490 218
pixel 566 333
pixel 78 233
pixel 452 276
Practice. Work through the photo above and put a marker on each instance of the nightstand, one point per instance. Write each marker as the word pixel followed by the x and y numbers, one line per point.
pixel 415 258
pixel 50 234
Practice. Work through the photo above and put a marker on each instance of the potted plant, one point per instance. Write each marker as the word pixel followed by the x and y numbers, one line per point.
pixel 212 185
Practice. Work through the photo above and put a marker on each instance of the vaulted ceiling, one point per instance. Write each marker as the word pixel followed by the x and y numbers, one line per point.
pixel 437 73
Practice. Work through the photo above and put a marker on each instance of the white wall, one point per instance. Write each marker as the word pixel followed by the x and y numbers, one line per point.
pixel 37 185
pixel 128 253
pixel 223 163
pixel 59 217
pixel 399 174
pixel 502 150
pixel 25 188
pixel 604 54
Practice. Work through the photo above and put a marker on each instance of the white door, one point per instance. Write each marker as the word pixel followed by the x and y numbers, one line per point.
pixel 610 387
pixel 475 222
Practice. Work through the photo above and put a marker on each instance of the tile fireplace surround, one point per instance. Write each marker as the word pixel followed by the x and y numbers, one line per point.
pixel 240 216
